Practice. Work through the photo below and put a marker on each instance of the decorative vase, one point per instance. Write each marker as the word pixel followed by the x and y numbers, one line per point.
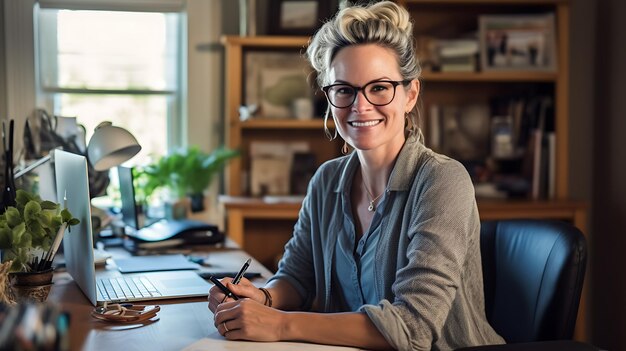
pixel 31 286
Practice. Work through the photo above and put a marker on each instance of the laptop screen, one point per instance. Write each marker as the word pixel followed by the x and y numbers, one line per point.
pixel 72 185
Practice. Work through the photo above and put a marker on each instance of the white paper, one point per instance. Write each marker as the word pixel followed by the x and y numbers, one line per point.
pixel 216 342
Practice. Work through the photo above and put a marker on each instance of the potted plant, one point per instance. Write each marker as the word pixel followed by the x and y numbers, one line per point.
pixel 27 240
pixel 186 172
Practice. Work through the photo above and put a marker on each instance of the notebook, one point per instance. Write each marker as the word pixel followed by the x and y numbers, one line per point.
pixel 138 264
pixel 72 184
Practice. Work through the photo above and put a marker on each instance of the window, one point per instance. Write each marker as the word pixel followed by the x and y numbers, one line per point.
pixel 117 66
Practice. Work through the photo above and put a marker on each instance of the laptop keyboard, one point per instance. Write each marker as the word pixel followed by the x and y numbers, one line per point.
pixel 123 288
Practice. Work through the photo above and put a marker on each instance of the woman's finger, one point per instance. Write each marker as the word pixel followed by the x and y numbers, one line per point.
pixel 225 311
pixel 228 327
pixel 247 290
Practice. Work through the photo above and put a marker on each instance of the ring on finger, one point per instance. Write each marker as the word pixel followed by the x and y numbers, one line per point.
pixel 225 328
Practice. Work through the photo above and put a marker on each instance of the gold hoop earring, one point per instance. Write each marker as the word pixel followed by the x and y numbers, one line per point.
pixel 344 149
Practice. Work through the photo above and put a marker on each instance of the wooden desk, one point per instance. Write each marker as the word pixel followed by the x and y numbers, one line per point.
pixel 182 322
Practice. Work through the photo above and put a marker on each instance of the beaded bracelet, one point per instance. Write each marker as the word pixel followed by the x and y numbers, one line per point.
pixel 268 297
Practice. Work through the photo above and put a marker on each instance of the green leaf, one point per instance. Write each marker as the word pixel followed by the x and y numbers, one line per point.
pixel 32 210
pixel 13 217
pixel 45 219
pixel 22 198
pixel 49 205
pixel 17 232
pixel 73 221
pixel 5 238
pixel 65 215
pixel 36 230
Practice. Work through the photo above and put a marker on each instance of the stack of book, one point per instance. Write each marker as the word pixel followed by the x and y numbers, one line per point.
pixel 459 55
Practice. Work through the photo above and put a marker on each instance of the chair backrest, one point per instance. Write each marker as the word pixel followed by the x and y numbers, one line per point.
pixel 533 274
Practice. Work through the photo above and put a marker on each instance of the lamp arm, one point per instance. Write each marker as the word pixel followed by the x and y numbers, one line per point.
pixel 30 167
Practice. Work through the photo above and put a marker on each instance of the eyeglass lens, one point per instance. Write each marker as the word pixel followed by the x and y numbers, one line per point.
pixel 377 93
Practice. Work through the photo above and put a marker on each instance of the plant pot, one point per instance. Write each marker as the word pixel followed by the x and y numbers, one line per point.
pixel 31 286
pixel 176 210
pixel 197 202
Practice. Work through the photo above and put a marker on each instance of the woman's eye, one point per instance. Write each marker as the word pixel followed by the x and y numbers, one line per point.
pixel 378 87
pixel 345 91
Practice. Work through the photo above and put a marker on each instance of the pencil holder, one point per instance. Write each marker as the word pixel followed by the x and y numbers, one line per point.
pixel 31 286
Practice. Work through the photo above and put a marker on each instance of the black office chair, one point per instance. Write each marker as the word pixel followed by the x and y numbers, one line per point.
pixel 533 274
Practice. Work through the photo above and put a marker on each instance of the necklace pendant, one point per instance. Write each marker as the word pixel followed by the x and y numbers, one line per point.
pixel 371 206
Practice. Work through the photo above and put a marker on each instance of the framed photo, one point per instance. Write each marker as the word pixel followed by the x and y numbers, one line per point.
pixel 517 42
pixel 274 81
pixel 298 17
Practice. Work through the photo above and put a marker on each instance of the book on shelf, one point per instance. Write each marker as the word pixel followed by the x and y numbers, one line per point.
pixel 542 177
pixel 271 165
pixel 458 55
pixel 552 165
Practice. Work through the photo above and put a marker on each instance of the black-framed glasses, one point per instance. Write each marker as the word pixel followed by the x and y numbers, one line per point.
pixel 377 93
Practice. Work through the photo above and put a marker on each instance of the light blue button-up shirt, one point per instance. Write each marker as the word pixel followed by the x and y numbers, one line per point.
pixel 354 266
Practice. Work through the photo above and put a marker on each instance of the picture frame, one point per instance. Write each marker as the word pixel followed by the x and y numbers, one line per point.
pixel 518 42
pixel 298 17
pixel 274 80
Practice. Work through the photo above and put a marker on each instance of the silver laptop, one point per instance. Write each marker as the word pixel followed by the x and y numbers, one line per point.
pixel 72 184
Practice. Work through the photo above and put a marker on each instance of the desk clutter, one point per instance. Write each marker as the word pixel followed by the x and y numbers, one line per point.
pixel 126 313
pixel 33 327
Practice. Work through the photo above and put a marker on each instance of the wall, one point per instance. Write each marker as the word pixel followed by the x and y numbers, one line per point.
pixel 581 107
pixel 3 81
pixel 609 174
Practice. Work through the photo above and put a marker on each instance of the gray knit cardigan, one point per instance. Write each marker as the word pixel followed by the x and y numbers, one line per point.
pixel 427 272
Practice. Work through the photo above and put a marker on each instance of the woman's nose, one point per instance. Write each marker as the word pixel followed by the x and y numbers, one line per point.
pixel 360 102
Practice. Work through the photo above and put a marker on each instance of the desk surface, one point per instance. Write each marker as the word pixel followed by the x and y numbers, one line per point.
pixel 182 324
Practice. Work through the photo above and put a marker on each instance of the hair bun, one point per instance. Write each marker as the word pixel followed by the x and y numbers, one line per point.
pixel 394 14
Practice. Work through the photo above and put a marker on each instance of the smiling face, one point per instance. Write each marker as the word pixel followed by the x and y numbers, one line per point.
pixel 363 125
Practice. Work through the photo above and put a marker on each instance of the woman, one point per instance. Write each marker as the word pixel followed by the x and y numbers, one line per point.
pixel 385 253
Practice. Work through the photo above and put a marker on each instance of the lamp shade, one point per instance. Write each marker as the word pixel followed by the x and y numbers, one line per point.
pixel 111 146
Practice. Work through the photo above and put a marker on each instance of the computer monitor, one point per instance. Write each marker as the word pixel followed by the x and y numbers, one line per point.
pixel 127 193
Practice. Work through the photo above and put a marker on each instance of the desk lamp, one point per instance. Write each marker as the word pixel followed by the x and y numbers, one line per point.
pixel 109 146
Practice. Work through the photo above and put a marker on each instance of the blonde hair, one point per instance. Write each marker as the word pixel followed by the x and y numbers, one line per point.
pixel 383 23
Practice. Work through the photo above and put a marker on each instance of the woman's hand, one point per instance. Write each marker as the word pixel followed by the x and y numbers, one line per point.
pixel 247 319
pixel 245 289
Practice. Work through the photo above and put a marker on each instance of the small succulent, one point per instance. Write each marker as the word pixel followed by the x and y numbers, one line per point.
pixel 28 230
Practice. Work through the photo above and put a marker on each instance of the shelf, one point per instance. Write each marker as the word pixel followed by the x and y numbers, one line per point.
pixel 268 123
pixel 272 42
pixel 512 76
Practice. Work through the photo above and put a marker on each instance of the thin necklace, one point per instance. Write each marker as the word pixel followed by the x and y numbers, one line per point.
pixel 371 207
